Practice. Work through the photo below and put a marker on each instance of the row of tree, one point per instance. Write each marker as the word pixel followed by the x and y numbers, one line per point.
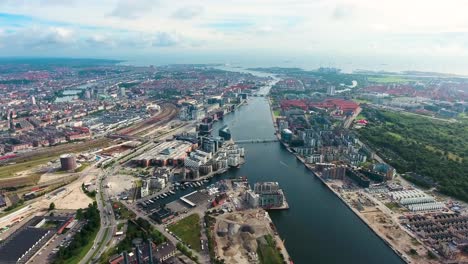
pixel 82 238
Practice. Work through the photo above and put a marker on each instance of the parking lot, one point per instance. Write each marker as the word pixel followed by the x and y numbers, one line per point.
pixel 46 253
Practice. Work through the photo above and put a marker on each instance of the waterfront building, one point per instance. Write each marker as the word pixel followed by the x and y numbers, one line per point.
pixel 335 173
pixel 252 199
pixel 206 169
pixel 358 177
pixel 210 144
pixel 225 133
pixel 233 160
pixel 314 158
pixel 286 135
pixel 270 195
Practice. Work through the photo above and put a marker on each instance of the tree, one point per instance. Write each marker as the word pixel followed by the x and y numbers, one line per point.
pixel 51 206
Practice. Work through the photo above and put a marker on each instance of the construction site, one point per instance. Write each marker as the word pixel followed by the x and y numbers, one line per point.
pixel 240 237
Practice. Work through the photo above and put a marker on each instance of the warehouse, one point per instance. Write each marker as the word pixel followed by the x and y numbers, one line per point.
pixel 20 246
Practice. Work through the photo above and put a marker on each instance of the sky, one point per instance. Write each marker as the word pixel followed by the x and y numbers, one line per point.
pixel 429 34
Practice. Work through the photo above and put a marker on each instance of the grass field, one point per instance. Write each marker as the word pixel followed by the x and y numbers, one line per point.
pixel 277 112
pixel 267 252
pixel 389 79
pixel 47 154
pixel 188 229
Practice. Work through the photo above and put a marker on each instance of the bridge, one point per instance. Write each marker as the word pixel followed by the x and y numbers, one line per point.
pixel 256 140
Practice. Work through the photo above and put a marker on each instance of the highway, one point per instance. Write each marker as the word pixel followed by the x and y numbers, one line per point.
pixel 108 223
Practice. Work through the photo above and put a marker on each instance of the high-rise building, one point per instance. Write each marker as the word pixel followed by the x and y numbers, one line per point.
pixel 331 90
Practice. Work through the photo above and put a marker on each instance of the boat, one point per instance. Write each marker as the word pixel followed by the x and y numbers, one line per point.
pixel 172 192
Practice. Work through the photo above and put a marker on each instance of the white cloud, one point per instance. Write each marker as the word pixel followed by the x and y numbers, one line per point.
pixel 132 9
pixel 350 27
pixel 187 12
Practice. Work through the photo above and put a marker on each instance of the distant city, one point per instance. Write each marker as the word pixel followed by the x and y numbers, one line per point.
pixel 103 162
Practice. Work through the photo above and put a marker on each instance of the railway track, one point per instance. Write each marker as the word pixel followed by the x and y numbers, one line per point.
pixel 168 112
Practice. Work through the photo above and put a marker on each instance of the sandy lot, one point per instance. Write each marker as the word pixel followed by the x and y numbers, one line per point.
pixel 75 198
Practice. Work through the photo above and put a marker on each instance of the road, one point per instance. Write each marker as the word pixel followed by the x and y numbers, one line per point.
pixel 108 223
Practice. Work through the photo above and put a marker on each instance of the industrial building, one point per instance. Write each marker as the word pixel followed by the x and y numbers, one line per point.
pixel 165 154
pixel 20 246
pixel 68 162
pixel 416 200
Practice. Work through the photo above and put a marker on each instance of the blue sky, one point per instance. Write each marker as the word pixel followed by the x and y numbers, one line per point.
pixel 352 29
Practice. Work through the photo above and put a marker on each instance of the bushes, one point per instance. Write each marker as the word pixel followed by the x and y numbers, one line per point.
pixel 187 252
pixel 82 238
pixel 90 194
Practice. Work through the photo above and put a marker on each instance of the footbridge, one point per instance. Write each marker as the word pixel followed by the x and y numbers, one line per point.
pixel 255 140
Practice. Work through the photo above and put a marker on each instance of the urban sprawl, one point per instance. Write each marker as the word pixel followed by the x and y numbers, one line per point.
pixel 106 163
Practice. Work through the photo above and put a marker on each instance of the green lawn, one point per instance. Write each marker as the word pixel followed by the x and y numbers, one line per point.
pixel 267 251
pixel 10 170
pixel 389 79
pixel 277 112
pixel 84 250
pixel 188 229
pixel 392 206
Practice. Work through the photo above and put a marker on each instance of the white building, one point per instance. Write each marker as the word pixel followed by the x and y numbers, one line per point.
pixel 331 90
pixel 252 199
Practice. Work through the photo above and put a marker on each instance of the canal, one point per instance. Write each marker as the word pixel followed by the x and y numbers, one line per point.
pixel 318 227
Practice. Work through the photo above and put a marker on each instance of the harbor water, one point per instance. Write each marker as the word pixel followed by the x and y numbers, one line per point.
pixel 318 227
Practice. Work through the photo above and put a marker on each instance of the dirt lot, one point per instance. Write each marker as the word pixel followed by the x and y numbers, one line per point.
pixel 237 234
pixel 75 198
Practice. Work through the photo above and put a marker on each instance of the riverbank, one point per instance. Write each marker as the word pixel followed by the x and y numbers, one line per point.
pixel 395 247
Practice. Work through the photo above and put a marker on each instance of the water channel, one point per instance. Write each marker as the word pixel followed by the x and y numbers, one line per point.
pixel 318 227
